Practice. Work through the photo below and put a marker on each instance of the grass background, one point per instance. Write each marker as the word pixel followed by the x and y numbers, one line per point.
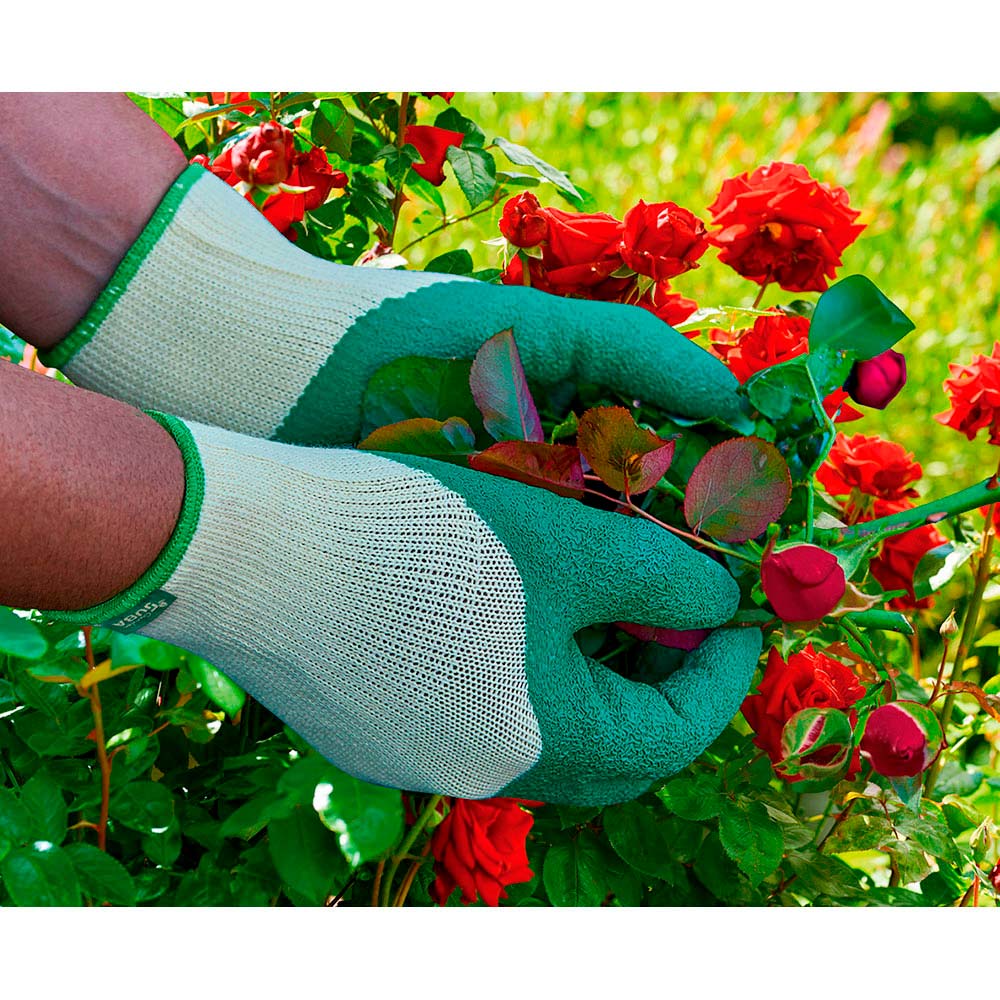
pixel 922 169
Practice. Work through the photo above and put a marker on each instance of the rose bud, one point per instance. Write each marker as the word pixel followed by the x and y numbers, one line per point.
pixel 802 582
pixel 901 739
pixel 877 382
pixel 816 744
pixel 662 240
pixel 265 156
pixel 522 222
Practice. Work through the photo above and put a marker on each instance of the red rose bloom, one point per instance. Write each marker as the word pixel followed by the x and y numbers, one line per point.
pixel 772 339
pixel 662 240
pixel 581 252
pixel 231 97
pixel 809 679
pixel 779 224
pixel 974 391
pixel 877 381
pixel 265 156
pixel 432 144
pixel 479 847
pixel 523 222
pixel 672 308
pixel 803 582
pixel 870 465
pixel 446 94
pixel 897 562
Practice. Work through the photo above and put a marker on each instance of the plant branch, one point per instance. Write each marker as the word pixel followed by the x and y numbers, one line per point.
pixel 446 224
pixel 398 197
pixel 404 848
pixel 93 693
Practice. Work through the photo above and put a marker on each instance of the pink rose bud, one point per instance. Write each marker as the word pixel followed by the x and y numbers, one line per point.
pixel 816 744
pixel 901 739
pixel 802 582
pixel 877 382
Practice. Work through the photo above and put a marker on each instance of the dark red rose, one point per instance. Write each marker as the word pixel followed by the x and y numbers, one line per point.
pixel 662 240
pixel 313 170
pixel 808 679
pixel 877 381
pixel 901 739
pixel 523 223
pixel 974 392
pixel 779 224
pixel 432 144
pixel 672 308
pixel 772 339
pixel 479 847
pixel 581 251
pixel 266 155
pixel 802 582
pixel 870 465
pixel 446 94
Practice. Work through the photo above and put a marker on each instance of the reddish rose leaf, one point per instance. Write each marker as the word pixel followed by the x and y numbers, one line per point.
pixel 674 638
pixel 449 440
pixel 627 457
pixel 501 391
pixel 555 467
pixel 738 488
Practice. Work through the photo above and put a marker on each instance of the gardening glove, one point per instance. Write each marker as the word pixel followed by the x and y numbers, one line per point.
pixel 215 316
pixel 414 621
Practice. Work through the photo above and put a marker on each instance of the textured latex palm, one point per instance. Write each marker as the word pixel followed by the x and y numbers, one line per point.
pixel 216 317
pixel 414 621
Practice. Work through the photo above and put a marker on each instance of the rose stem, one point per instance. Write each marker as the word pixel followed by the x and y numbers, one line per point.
pixel 404 849
pixel 102 754
pixel 969 627
pixel 760 294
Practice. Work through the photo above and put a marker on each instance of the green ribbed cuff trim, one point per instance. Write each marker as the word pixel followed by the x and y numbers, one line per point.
pixel 167 561
pixel 88 327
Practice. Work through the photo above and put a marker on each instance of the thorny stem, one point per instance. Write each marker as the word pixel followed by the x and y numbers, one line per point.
pixel 102 755
pixel 940 673
pixel 446 224
pixel 404 849
pixel 841 816
pixel 397 200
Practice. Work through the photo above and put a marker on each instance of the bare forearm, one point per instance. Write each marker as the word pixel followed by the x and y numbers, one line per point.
pixel 80 174
pixel 90 491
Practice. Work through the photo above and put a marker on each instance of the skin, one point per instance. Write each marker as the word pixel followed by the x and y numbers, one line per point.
pixel 90 488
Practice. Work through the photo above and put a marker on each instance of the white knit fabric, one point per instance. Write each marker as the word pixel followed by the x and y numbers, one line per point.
pixel 226 322
pixel 366 605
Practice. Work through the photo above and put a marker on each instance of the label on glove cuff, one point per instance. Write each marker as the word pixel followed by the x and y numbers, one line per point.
pixel 142 614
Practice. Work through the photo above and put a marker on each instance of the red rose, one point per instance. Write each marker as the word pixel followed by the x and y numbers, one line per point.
pixel 432 144
pixel 672 308
pixel 514 274
pixel 877 381
pixel 871 465
pixel 523 222
pixel 974 391
pixel 231 97
pixel 662 240
pixel 265 156
pixel 897 562
pixel 581 252
pixel 901 739
pixel 772 339
pixel 446 94
pixel 809 679
pixel 479 847
pixel 779 224
pixel 802 582
pixel 313 170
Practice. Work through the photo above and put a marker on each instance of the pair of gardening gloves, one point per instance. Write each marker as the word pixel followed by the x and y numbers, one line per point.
pixel 412 620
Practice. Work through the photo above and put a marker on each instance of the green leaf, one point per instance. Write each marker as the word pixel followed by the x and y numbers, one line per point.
pixel 740 487
pixel 40 875
pixel 306 855
pixel 168 114
pixel 777 390
pixel 911 861
pixel 43 799
pixel 860 833
pixel 251 817
pixel 825 874
pixel 453 262
pixel 454 121
pixel 428 192
pixel 368 819
pixel 475 171
pixel 525 158
pixel 575 874
pixel 15 820
pixel 554 467
pixel 501 391
pixel 629 458
pixel 333 128
pixel 101 877
pixel 829 368
pixel 853 315
pixel 11 347
pixel 227 694
pixel 450 440
pixel 19 637
pixel 751 838
pixel 693 797
pixel 640 839
pixel 146 806
pixel 370 199
pixel 929 830
pixel 163 848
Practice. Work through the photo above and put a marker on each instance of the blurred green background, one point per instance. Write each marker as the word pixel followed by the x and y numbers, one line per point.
pixel 922 169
